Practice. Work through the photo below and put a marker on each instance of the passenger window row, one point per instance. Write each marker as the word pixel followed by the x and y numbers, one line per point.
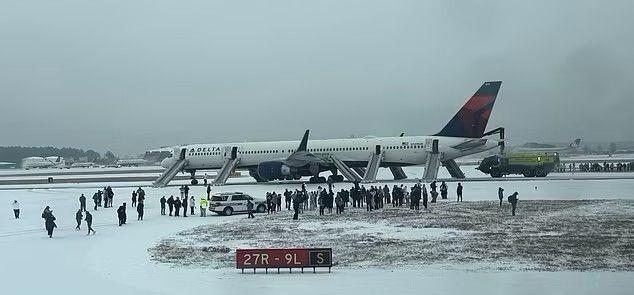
pixel 313 150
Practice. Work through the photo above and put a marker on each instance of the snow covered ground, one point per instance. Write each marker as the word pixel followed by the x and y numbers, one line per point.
pixel 545 235
pixel 117 259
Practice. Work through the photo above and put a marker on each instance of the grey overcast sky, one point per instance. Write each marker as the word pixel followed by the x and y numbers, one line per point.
pixel 127 75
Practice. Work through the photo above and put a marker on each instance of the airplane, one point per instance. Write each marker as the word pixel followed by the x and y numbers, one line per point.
pixel 41 162
pixel 290 160
pixel 547 148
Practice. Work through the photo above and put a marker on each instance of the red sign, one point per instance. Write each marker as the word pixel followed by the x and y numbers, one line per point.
pixel 283 258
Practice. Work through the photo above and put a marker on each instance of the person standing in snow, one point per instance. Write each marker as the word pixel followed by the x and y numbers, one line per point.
pixel 78 218
pixel 287 199
pixel 297 200
pixel 500 195
pixel 513 200
pixel 208 191
pixel 89 223
pixel 140 210
pixel 434 196
pixel 203 207
pixel 184 207
pixel 459 192
pixel 425 197
pixel 140 195
pixel 250 209
pixel 16 209
pixel 121 214
pixel 49 221
pixel 82 202
pixel 170 204
pixel 443 190
pixel 177 206
pixel 163 201
pixel 95 198
pixel 134 198
pixel 192 204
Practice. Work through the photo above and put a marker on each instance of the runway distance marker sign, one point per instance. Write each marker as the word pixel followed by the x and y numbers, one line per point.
pixel 283 258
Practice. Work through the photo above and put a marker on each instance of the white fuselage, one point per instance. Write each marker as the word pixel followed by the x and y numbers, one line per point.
pixel 41 162
pixel 397 151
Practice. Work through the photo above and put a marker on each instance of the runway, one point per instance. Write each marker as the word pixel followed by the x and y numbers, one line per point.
pixel 117 177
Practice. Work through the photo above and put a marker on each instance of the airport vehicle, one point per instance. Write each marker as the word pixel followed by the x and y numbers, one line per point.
pixel 527 164
pixel 43 162
pixel 234 202
pixel 357 159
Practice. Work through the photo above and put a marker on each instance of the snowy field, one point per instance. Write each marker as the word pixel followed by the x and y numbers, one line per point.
pixel 546 235
pixel 119 259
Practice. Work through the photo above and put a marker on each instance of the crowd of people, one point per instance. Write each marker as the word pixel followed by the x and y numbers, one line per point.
pixel 597 167
pixel 323 199
pixel 371 198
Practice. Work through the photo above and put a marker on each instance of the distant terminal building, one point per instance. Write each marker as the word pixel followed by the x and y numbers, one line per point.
pixel 43 162
pixel 157 155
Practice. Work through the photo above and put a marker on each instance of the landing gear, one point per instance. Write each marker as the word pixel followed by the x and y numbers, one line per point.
pixel 317 179
pixel 194 181
pixel 335 178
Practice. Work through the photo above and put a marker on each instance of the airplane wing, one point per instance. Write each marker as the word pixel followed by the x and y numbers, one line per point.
pixel 301 156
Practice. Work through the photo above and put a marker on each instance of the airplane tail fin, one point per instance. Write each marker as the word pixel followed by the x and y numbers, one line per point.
pixel 472 119
pixel 304 143
pixel 575 144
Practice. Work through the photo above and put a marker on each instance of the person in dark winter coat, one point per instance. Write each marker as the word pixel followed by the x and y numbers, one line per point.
pixel 139 211
pixel 16 209
pixel 89 223
pixel 134 198
pixel 82 202
pixel 424 197
pixel 386 194
pixel 95 198
pixel 513 200
pixel 500 195
pixel 208 191
pixel 49 221
pixel 170 204
pixel 459 192
pixel 121 214
pixel 434 196
pixel 186 190
pixel 100 198
pixel 443 190
pixel 163 201
pixel 78 218
pixel 177 206
pixel 184 202
pixel 287 199
pixel 297 201
pixel 250 209
pixel 432 186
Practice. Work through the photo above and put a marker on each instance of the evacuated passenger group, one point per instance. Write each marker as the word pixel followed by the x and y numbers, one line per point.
pixel 299 200
pixel 372 198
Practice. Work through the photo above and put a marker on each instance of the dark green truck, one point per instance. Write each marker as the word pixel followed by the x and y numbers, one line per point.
pixel 527 164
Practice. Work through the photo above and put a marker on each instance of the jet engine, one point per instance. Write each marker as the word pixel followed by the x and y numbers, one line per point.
pixel 273 170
